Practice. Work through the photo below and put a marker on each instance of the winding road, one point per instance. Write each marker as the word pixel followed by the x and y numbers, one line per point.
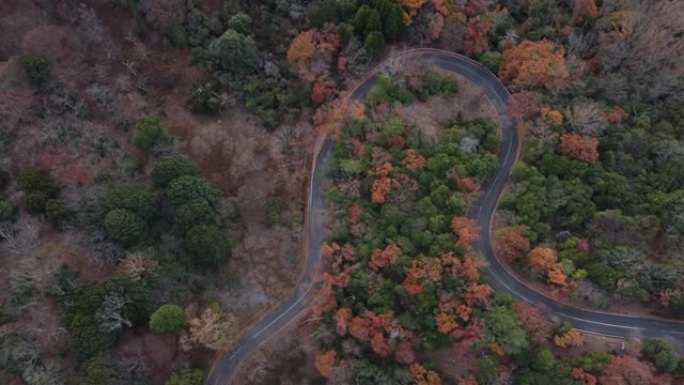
pixel 500 278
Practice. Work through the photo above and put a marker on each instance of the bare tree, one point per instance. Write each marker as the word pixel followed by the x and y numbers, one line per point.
pixel 212 329
pixel 110 315
pixel 586 118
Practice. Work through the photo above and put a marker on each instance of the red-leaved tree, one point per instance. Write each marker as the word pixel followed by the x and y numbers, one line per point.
pixel 533 64
pixel 510 243
pixel 579 147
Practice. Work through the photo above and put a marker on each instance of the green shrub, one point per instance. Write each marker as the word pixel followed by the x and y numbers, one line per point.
pixel 208 245
pixel 346 32
pixel 57 212
pixel 265 99
pixel 661 353
pixel 205 97
pixel 35 202
pixel 150 132
pixel 274 208
pixel 36 180
pixel 96 372
pixel 385 90
pixel 195 212
pixel 38 68
pixel 235 52
pixel 170 168
pixel 133 197
pixel 6 211
pixel 186 377
pixel 124 225
pixel 374 44
pixel 5 180
pixel 168 319
pixel 241 23
pixel 186 188
pixel 491 60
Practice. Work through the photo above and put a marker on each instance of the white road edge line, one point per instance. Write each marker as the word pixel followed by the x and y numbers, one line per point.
pixel 282 314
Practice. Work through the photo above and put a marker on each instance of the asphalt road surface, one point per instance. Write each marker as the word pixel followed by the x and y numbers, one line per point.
pixel 590 321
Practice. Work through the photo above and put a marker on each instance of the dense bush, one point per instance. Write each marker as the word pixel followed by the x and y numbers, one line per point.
pixel 235 52
pixel 5 179
pixel 6 211
pixel 208 245
pixel 36 180
pixel 125 226
pixel 35 202
pixel 385 90
pixel 240 23
pixel 136 198
pixel 170 168
pixel 168 319
pixel 96 372
pixel 186 377
pixel 491 60
pixel 195 212
pixel 96 314
pixel 205 97
pixel 662 354
pixel 150 132
pixel 274 208
pixel 38 68
pixel 187 188
pixel 57 212
pixel 374 44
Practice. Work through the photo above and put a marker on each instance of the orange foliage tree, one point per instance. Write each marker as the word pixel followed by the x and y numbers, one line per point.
pixel 413 161
pixel 321 90
pixel 580 374
pixel 626 370
pixel 384 184
pixel 570 338
pixel 476 39
pixel 423 376
pixel 555 117
pixel 354 214
pixel 445 323
pixel 411 283
pixel 476 293
pixel 541 258
pixel 469 268
pixel 466 230
pixel 324 362
pixel 579 147
pixel 510 243
pixel 385 257
pixel 470 380
pixel 359 328
pixel 404 354
pixel 557 277
pixel 330 117
pixel 342 318
pixel 380 188
pixel 379 345
pixel 411 8
pixel 533 64
pixel 584 9
pixel 302 47
pixel 617 115
pixel 328 250
pixel 441 6
pixel 532 319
